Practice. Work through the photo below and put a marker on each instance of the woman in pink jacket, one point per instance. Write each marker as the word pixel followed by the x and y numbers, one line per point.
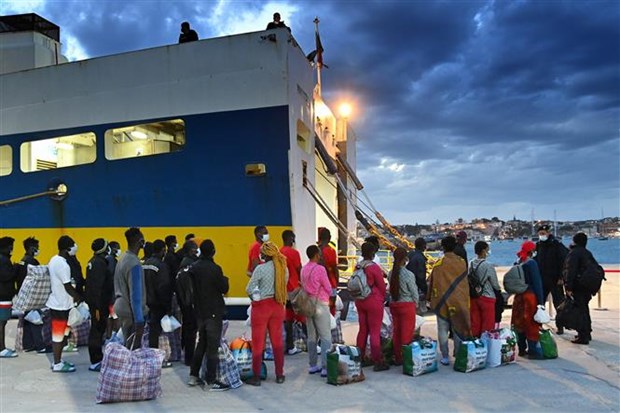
pixel 315 282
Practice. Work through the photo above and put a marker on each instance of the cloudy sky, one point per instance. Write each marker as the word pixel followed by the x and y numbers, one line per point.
pixel 463 109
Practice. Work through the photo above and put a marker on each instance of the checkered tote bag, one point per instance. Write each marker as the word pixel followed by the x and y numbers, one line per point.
pixel 337 333
pixel 35 289
pixel 227 369
pixel 129 375
pixel 79 334
pixel 164 343
pixel 174 344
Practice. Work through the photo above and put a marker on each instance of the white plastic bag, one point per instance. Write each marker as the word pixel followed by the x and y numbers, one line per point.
pixel 419 321
pixel 332 322
pixel 541 315
pixel 169 323
pixel 78 315
pixel 248 322
pixel 34 317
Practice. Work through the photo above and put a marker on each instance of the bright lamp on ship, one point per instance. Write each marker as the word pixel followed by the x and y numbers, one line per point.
pixel 345 110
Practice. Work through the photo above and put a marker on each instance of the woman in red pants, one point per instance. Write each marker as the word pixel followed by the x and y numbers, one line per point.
pixel 370 309
pixel 482 305
pixel 404 293
pixel 267 288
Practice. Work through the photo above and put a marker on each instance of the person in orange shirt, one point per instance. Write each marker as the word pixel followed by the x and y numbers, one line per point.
pixel 329 259
pixel 293 263
pixel 262 235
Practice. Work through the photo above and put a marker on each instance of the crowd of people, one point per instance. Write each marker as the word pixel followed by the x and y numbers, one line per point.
pixel 127 292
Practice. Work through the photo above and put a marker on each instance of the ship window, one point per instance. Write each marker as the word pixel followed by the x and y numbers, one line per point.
pixel 58 152
pixel 303 136
pixel 6 160
pixel 146 139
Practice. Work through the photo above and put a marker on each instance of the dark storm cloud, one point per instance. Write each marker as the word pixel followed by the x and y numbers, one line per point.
pixel 466 108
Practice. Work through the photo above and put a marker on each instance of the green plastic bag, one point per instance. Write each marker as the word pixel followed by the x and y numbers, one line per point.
pixel 548 345
pixel 344 365
pixel 471 356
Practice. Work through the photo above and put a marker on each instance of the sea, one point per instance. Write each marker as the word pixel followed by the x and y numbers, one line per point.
pixel 503 253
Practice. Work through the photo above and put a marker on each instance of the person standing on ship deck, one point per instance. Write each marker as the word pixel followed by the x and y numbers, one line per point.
pixel 277 23
pixel 187 34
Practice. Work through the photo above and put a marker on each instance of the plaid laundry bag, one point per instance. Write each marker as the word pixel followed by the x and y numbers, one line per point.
pixel 35 289
pixel 19 334
pixel 337 333
pixel 79 334
pixel 164 343
pixel 300 339
pixel 227 369
pixel 174 343
pixel 129 375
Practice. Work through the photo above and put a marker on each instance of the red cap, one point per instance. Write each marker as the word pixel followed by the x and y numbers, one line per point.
pixel 526 248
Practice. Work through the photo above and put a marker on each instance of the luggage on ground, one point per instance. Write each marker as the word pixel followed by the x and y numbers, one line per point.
pixel 242 353
pixel 548 345
pixel 129 375
pixel 420 357
pixel 79 334
pixel 471 356
pixel 344 365
pixel 35 289
pixel 501 347
pixel 570 316
pixel 227 369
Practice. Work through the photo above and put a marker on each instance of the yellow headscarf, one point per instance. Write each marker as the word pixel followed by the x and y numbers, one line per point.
pixel 270 249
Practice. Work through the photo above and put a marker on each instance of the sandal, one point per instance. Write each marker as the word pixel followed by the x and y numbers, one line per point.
pixel 63 367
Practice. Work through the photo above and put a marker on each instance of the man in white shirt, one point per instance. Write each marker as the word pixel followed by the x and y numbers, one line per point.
pixel 61 301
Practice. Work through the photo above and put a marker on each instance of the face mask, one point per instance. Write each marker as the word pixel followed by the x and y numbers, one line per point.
pixel 73 250
pixel 543 238
pixel 534 254
pixel 35 252
pixel 488 253
pixel 406 263
pixel 265 237
pixel 117 253
pixel 108 251
pixel 175 246
pixel 198 252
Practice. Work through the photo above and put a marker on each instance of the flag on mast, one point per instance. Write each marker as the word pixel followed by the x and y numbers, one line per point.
pixel 318 51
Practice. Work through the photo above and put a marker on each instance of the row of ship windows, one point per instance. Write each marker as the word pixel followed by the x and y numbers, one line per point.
pixel 120 143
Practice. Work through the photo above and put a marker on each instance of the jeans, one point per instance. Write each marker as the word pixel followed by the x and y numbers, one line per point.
pixel 209 337
pixel 266 315
pixel 319 327
pixel 443 327
pixel 403 326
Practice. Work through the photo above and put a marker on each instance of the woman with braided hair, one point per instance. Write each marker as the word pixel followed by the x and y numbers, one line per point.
pixel 268 311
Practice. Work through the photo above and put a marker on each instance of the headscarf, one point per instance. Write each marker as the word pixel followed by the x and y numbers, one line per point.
pixel 526 248
pixel 270 249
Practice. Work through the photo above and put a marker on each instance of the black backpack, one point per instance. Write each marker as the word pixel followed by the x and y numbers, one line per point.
pixel 475 284
pixel 591 277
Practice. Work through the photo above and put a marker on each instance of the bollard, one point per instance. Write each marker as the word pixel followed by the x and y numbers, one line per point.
pixel 600 301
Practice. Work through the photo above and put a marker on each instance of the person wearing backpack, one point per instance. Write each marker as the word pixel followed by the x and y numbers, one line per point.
pixel 550 256
pixel 370 309
pixel 578 259
pixel 483 278
pixel 525 305
pixel 404 293
pixel 449 298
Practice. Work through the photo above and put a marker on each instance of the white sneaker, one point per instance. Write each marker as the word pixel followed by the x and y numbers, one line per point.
pixel 293 351
pixel 70 348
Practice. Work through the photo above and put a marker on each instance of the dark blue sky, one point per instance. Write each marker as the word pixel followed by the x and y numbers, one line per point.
pixel 462 108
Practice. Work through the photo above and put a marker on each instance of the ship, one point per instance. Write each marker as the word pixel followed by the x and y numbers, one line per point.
pixel 211 137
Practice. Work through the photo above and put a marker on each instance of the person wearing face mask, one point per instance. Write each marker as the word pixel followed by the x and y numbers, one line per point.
pixel 61 300
pixel 210 285
pixel 114 252
pixel 130 290
pixel 184 292
pixel 98 280
pixel 32 339
pixel 482 308
pixel 329 259
pixel 550 257
pixel 7 291
pixel 268 310
pixel 525 305
pixel 404 293
pixel 171 259
pixel 293 263
pixel 261 235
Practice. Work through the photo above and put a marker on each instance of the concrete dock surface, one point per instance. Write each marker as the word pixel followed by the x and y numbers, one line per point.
pixel 583 378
